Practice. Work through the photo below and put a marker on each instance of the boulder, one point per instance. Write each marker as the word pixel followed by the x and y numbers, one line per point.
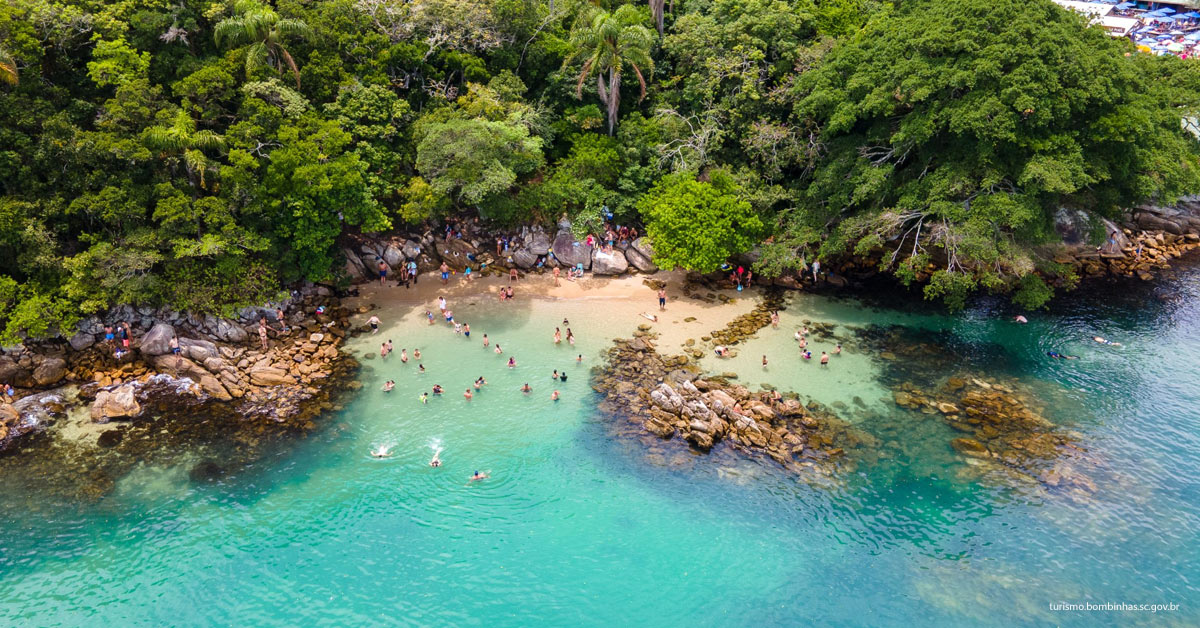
pixel 393 255
pixel 214 388
pixel 524 259
pixel 538 243
pixel 643 247
pixel 354 266
pixel 640 261
pixel 82 340
pixel 8 414
pixel 269 376
pixel 50 371
pixel 969 447
pixel 10 370
pixel 230 332
pixel 198 350
pixel 115 404
pixel 570 251
pixel 157 341
pixel 456 253
pixel 411 249
pixel 609 263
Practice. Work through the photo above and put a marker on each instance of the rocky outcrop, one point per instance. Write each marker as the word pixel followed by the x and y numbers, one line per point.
pixel 638 260
pixel 50 372
pixel 571 252
pixel 157 341
pixel 665 396
pixel 613 263
pixel 120 402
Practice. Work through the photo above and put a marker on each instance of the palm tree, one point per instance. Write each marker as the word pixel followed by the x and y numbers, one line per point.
pixel 8 68
pixel 261 30
pixel 181 139
pixel 608 42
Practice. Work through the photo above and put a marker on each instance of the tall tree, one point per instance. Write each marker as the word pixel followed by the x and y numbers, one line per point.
pixel 608 43
pixel 260 29
pixel 656 10
pixel 8 68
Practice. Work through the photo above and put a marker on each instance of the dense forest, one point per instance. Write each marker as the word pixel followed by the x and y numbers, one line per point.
pixel 206 153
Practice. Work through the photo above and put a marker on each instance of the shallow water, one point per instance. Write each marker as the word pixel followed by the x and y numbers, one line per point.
pixel 574 527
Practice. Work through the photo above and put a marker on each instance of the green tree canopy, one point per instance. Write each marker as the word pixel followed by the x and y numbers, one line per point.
pixel 698 225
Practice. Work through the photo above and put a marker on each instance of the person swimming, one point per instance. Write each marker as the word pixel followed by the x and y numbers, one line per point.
pixel 388 386
pixel 480 476
pixel 554 375
pixel 437 461
pixel 437 389
pixel 579 359
pixel 1059 356
pixel 498 349
pixel 1020 319
pixel 526 388
pixel 554 396
pixel 467 394
pixel 424 397
pixel 562 377
pixel 721 351
pixel 1106 342
pixel 512 362
pixel 421 368
pixel 383 451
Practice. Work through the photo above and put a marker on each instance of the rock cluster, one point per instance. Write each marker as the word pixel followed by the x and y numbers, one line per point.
pixel 665 396
pixel 1000 425
pixel 1157 249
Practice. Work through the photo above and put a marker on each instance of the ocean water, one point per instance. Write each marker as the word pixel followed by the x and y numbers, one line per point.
pixel 574 527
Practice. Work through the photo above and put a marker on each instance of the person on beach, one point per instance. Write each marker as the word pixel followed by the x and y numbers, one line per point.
pixel 498 349
pixel 467 272
pixel 479 476
pixel 513 275
pixel 445 270
pixel 412 271
pixel 437 389
pixel 388 386
pixel 262 333
pixel 442 304
pixel 570 337
pixel 1020 319
pixel 485 341
pixel 649 317
pixel 404 356
pixel 554 396
pixel 373 322
pixel 429 316
pixel 721 351
pixel 662 299
pixel 512 362
pixel 526 388
pixel 556 274
pixel 467 394
pixel 764 361
pixel 838 349
pixel 383 268
pixel 109 337
pixel 824 359
pixel 557 335
pixel 125 333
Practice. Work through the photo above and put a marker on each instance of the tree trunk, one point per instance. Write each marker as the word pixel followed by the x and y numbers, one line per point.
pixel 614 98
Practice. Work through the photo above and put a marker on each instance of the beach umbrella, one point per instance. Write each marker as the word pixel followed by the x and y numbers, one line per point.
pixel 1175 47
pixel 1191 15
pixel 1192 36
pixel 1166 10
pixel 1153 13
pixel 1162 19
pixel 1125 6
pixel 1163 37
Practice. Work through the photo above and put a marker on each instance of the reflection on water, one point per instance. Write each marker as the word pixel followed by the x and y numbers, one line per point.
pixel 574 527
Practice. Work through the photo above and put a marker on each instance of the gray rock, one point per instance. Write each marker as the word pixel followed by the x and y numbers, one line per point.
pixel 198 350
pixel 393 255
pixel 639 261
pixel 642 246
pixel 354 266
pixel 157 341
pixel 81 340
pixel 230 332
pixel 571 252
pixel 524 259
pixel 538 243
pixel 411 249
pixel 609 263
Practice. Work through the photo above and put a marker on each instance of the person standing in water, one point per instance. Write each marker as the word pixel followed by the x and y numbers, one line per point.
pixel 404 356
pixel 557 335
pixel 373 322
pixel 467 394
pixel 554 396
pixel 570 337
pixel 485 341
pixel 824 359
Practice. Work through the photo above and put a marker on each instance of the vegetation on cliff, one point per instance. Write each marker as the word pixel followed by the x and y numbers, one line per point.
pixel 203 153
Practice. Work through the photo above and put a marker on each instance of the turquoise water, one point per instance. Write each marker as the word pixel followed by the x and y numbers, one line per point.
pixel 576 528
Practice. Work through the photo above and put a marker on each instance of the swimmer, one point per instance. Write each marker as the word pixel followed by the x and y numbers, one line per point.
pixel 554 375
pixel 498 349
pixel 424 397
pixel 1020 319
pixel 421 368
pixel 1059 356
pixel 526 388
pixel 458 328
pixel 416 353
pixel 562 377
pixel 838 349
pixel 579 359
pixel 404 356
pixel 557 336
pixel 467 394
pixel 566 322
pixel 383 350
pixel 437 461
pixel 804 330
pixel 485 340
pixel 807 355
pixel 649 317
pixel 388 386
pixel 480 382
pixel 554 396
pixel 824 358
pixel 480 476
pixel 383 451
pixel 374 323
pixel 764 361
pixel 437 389
pixel 797 335
pixel 775 320
pixel 1106 342
pixel 512 362
pixel 803 342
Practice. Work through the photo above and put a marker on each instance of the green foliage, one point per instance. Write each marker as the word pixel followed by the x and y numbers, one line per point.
pixel 609 43
pixel 698 225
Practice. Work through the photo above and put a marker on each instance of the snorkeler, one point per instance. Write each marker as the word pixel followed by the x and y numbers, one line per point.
pixel 383 451
pixel 1106 342
pixel 480 476
pixel 1059 356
